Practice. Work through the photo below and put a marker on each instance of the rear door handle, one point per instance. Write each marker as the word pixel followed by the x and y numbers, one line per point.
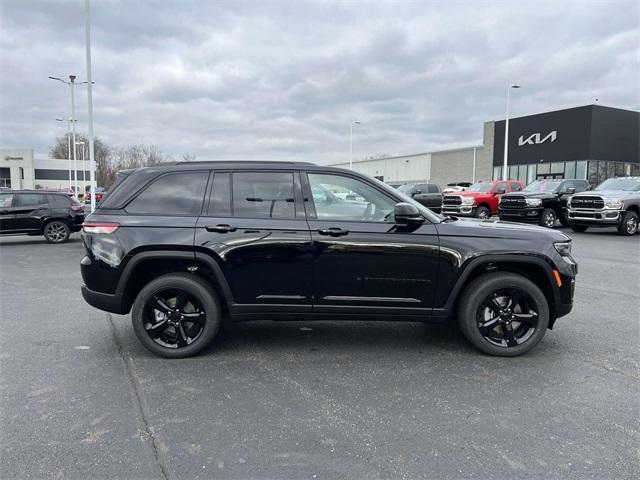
pixel 333 231
pixel 221 228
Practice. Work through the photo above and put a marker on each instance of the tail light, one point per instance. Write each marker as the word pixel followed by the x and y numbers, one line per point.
pixel 99 227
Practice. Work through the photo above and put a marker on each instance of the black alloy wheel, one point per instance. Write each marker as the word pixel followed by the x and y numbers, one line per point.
pixel 176 315
pixel 174 318
pixel 56 231
pixel 503 313
pixel 507 317
pixel 548 218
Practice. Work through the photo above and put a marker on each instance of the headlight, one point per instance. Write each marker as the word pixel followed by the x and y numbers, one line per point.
pixel 533 202
pixel 616 203
pixel 468 200
pixel 563 248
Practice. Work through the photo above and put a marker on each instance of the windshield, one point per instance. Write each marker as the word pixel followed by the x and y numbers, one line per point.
pixel 627 184
pixel 539 186
pixel 480 187
pixel 407 188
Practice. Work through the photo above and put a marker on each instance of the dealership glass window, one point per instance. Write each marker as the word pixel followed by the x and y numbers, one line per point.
pixel 581 170
pixel 513 171
pixel 522 174
pixel 635 170
pixel 557 168
pixel 544 168
pixel 592 173
pixel 531 173
pixel 497 173
pixel 570 170
pixel 602 172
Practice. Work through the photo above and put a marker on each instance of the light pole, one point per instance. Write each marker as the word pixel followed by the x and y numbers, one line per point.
pixel 353 122
pixel 84 169
pixel 92 157
pixel 71 83
pixel 68 146
pixel 506 132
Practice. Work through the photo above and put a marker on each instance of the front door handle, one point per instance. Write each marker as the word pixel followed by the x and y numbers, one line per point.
pixel 333 231
pixel 221 228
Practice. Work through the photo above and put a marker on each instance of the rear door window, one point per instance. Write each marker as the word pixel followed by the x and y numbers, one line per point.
pixel 263 195
pixel 171 194
pixel 433 188
pixel 31 199
pixel 59 201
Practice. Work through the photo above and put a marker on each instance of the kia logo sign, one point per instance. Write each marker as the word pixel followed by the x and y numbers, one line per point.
pixel 537 138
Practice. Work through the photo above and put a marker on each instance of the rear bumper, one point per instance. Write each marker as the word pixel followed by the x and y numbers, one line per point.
pixel 103 301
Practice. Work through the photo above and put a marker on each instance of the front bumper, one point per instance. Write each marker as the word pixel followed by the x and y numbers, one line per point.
pixel 594 217
pixel 459 210
pixel 529 214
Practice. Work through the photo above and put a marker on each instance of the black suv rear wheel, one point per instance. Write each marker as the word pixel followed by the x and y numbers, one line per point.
pixel 503 314
pixel 56 231
pixel 176 315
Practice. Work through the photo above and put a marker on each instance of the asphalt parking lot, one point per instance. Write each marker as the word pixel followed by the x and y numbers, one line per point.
pixel 82 399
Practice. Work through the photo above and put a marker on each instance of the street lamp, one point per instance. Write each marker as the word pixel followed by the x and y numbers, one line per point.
pixel 92 157
pixel 84 168
pixel 353 122
pixel 68 145
pixel 506 131
pixel 71 83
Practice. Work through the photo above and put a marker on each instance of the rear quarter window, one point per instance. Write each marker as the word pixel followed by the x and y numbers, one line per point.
pixel 171 194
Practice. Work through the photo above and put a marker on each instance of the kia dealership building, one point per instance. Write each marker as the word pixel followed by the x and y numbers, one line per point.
pixel 591 142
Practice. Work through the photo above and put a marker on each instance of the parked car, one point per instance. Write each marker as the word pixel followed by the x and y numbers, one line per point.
pixel 33 212
pixel 428 194
pixel 542 202
pixel 100 193
pixel 178 245
pixel 456 187
pixel 480 199
pixel 613 203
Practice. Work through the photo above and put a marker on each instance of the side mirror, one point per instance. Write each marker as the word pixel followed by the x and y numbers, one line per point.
pixel 571 190
pixel 499 191
pixel 407 214
pixel 417 192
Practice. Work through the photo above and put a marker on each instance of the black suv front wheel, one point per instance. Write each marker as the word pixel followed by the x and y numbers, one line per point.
pixel 176 315
pixel 503 314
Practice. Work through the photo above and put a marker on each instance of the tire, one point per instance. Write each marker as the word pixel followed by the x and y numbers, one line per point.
pixel 483 212
pixel 191 330
pixel 56 231
pixel 548 218
pixel 628 224
pixel 526 328
pixel 579 228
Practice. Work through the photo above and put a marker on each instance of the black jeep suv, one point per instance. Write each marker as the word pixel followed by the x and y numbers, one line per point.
pixel 182 245
pixel 32 212
pixel 542 202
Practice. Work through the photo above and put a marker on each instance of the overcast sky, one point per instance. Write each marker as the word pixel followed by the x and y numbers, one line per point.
pixel 283 80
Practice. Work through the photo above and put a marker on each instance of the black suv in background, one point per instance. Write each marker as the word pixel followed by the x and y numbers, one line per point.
pixel 542 202
pixel 428 194
pixel 613 203
pixel 31 212
pixel 181 245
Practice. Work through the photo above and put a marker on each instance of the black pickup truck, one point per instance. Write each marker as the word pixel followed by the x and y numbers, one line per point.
pixel 427 194
pixel 542 202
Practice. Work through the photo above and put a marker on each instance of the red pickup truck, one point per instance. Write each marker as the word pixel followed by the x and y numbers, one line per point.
pixel 480 199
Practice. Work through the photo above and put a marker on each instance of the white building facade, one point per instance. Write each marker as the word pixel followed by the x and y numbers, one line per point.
pixel 20 170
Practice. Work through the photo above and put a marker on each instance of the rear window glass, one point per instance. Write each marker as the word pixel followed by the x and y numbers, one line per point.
pixel 263 195
pixel 172 194
pixel 59 201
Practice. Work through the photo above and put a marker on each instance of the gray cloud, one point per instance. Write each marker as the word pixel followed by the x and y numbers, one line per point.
pixel 283 80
